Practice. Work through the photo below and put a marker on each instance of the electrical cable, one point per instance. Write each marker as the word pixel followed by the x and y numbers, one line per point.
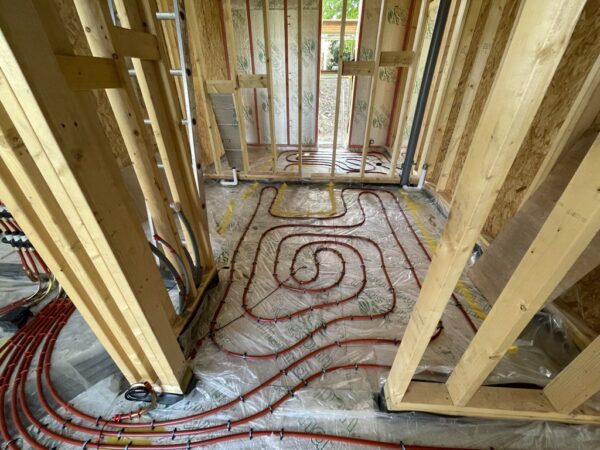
pixel 171 268
pixel 197 266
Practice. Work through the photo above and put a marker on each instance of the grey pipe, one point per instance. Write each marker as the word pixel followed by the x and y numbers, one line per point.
pixel 432 55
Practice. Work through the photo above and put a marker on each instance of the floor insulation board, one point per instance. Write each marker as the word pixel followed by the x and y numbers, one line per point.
pixel 316 286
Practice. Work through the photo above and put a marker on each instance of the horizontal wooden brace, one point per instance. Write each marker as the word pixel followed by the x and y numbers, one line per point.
pixel 220 86
pixel 396 58
pixel 358 68
pixel 135 44
pixel 489 402
pixel 89 72
pixel 253 81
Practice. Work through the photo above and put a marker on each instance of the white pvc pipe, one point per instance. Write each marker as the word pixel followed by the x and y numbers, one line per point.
pixel 421 183
pixel 234 182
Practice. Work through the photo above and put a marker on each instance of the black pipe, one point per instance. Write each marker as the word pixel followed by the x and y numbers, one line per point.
pixel 434 49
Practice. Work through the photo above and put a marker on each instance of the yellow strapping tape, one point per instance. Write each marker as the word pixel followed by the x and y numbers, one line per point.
pixel 227 217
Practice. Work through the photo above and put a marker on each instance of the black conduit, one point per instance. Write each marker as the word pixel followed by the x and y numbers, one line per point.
pixel 434 49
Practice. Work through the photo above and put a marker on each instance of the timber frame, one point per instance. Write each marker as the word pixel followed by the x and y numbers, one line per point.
pixel 62 182
pixel 407 60
pixel 537 44
pixel 517 82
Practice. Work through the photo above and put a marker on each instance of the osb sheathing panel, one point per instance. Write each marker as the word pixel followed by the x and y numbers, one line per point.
pixel 583 49
pixel 489 74
pixel 213 52
pixel 434 175
pixel 68 15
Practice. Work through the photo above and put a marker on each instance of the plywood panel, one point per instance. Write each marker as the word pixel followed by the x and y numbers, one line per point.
pixel 581 53
pixel 454 111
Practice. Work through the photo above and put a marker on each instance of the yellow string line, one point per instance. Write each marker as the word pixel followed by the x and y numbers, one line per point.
pixel 296 213
pixel 431 242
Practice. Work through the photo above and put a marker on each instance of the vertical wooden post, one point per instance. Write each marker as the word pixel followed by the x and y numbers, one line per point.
pixel 539 40
pixel 209 115
pixel 409 87
pixel 570 227
pixel 237 96
pixel 300 90
pixel 269 64
pixel 338 85
pixel 475 76
pixel 373 91
pixel 74 158
pixel 98 31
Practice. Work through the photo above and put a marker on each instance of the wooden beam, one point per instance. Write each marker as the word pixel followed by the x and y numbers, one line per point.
pixel 444 64
pixel 408 88
pixel 88 72
pixel 579 381
pixel 373 90
pixel 539 39
pixel 38 213
pixel 220 86
pixel 95 20
pixel 157 87
pixel 472 85
pixel 300 89
pixel 135 44
pixel 237 97
pixel 565 132
pixel 358 68
pixel 87 184
pixel 338 86
pixel 570 227
pixel 270 99
pixel 401 58
pixel 438 128
pixel 253 81
pixel 199 75
pixel 499 403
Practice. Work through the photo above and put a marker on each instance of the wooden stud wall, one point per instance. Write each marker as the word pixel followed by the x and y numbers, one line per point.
pixel 63 182
pixel 517 87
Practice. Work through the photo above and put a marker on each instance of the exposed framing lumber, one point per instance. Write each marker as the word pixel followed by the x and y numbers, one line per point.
pixel 237 97
pixel 501 403
pixel 408 88
pixel 88 72
pixel 135 44
pixel 87 185
pixel 444 67
pixel 358 68
pixel 269 65
pixel 570 227
pixel 300 89
pixel 438 126
pixel 220 86
pixel 38 213
pixel 539 40
pixel 578 381
pixel 158 91
pixel 591 83
pixel 338 86
pixel 214 138
pixel 396 58
pixel 99 34
pixel 252 81
pixel 373 89
pixel 472 85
